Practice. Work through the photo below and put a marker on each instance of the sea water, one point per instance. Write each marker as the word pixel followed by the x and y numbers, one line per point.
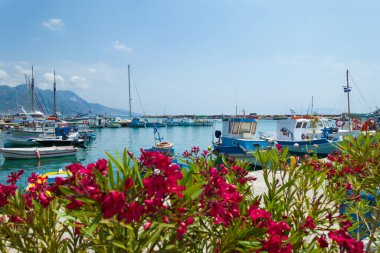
pixel 117 139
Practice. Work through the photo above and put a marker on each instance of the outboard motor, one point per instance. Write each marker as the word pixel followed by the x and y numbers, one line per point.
pixel 79 143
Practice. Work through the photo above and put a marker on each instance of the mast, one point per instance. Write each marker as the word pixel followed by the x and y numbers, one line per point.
pixel 129 89
pixel 32 90
pixel 55 101
pixel 348 89
pixel 312 105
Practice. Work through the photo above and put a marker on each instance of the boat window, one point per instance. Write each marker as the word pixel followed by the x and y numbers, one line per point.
pixel 304 125
pixel 245 127
pixel 235 128
pixel 299 124
pixel 230 127
pixel 253 128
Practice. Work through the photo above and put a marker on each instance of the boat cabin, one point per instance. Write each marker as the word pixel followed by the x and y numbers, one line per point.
pixel 239 128
pixel 301 128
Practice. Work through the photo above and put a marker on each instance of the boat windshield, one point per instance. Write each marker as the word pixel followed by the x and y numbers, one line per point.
pixel 242 127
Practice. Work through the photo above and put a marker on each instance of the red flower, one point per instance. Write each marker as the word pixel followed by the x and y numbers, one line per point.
pixel 44 199
pixel 322 241
pixel 15 176
pixel 346 242
pixel 309 223
pixel 257 214
pixel 113 203
pixel 128 184
pixel 74 204
pixel 78 226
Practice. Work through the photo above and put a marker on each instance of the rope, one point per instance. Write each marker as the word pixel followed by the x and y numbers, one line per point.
pixel 42 99
pixel 359 92
pixel 138 95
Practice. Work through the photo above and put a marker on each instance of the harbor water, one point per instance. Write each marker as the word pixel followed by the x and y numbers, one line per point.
pixel 112 139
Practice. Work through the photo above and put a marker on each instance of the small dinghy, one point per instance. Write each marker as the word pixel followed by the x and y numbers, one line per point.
pixel 38 152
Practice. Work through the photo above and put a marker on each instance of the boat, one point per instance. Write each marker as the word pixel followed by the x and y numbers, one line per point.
pixel 309 134
pixel 312 134
pixel 38 152
pixel 59 141
pixel 237 140
pixel 136 122
pixel 50 177
pixel 112 124
pixel 166 148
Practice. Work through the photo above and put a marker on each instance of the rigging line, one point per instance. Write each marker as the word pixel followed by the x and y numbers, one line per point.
pixel 360 94
pixel 138 95
pixel 42 99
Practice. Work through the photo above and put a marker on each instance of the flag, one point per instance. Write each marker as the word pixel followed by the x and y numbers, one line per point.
pixel 347 89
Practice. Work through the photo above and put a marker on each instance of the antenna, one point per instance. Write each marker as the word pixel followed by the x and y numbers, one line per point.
pixel 348 89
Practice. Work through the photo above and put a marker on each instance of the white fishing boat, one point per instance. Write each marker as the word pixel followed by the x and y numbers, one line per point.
pixel 38 152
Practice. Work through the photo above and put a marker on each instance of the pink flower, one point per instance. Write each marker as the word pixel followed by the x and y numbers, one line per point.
pixel 147 225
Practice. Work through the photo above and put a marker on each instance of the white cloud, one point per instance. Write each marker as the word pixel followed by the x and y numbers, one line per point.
pixel 23 70
pixel 92 70
pixel 79 82
pixel 48 80
pixel 3 75
pixel 119 46
pixel 54 24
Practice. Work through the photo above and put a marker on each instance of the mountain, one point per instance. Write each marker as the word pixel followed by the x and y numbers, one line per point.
pixel 68 103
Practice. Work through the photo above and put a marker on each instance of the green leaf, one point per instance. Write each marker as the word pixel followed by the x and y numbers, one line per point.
pixel 110 175
pixel 119 244
pixel 193 191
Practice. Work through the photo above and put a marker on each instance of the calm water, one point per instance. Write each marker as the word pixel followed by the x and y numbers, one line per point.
pixel 112 139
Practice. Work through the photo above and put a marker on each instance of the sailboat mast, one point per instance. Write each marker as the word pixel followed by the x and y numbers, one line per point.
pixel 312 105
pixel 348 89
pixel 129 89
pixel 55 101
pixel 32 90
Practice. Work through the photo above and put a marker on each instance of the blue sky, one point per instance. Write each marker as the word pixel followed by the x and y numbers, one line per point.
pixel 198 56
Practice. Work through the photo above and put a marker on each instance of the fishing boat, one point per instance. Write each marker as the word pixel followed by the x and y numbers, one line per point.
pixel 136 122
pixel 38 152
pixel 237 140
pixel 309 134
pixel 166 148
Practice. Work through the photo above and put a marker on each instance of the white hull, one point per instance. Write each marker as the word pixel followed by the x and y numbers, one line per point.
pixel 37 152
pixel 25 141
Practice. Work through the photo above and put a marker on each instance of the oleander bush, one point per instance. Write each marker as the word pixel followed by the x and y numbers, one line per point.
pixel 148 204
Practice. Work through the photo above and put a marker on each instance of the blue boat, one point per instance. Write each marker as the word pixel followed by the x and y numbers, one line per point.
pixel 238 141
pixel 136 122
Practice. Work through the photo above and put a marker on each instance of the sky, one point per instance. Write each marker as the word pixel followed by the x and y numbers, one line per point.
pixel 198 56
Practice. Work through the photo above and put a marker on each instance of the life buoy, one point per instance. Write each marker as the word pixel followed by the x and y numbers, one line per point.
pixel 164 144
pixel 85 122
pixel 357 123
pixel 340 122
